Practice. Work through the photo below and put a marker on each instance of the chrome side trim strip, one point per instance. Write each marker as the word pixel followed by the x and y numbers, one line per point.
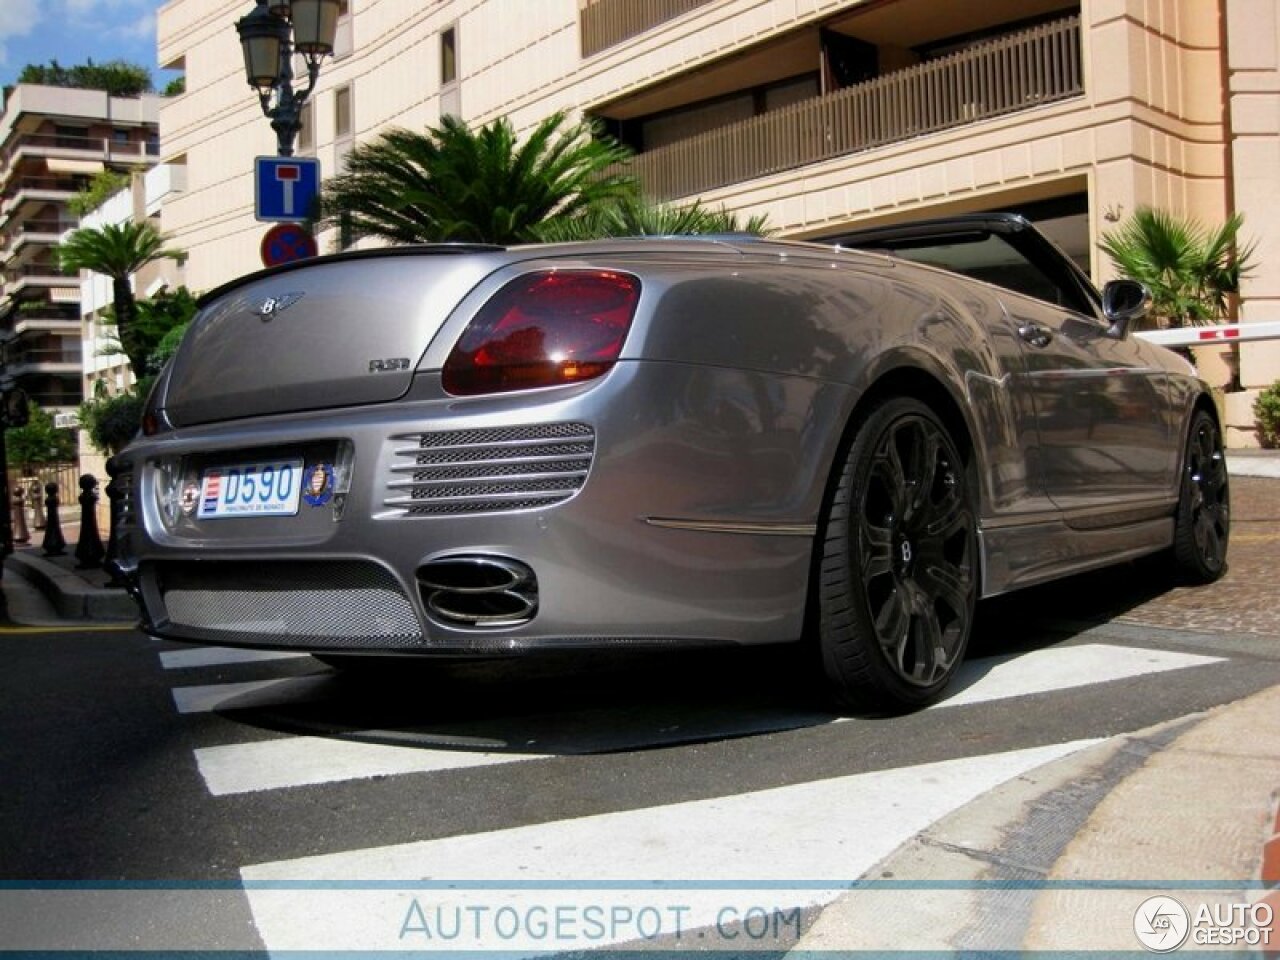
pixel 738 526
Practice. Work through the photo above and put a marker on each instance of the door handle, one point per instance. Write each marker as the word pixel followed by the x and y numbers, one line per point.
pixel 1035 334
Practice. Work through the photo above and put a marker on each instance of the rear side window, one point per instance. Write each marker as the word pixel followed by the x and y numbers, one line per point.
pixel 990 257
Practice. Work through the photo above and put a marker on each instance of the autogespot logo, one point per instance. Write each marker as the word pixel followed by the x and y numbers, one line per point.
pixel 1161 924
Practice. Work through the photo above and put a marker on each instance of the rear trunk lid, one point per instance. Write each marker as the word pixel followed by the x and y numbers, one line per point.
pixel 327 333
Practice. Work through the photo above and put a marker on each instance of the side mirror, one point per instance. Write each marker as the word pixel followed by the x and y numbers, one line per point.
pixel 1124 302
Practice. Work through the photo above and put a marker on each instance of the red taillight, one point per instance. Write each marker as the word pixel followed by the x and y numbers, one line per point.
pixel 544 329
pixel 153 418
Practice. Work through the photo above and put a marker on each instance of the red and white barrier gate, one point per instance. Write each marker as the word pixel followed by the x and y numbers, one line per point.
pixel 1206 336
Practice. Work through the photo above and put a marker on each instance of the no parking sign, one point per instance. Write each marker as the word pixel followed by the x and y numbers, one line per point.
pixel 286 242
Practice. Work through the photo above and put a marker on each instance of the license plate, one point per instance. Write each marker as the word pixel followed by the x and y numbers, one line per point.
pixel 264 489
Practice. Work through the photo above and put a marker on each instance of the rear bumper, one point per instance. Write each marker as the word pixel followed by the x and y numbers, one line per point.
pixel 693 525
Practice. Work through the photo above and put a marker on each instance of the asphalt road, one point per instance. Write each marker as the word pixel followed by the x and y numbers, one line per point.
pixel 134 765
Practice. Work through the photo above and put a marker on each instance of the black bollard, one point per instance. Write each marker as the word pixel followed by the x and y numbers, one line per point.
pixel 89 548
pixel 20 532
pixel 54 543
pixel 37 506
pixel 115 496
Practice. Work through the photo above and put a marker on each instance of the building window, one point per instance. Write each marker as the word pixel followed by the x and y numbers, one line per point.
pixel 306 128
pixel 448 56
pixel 342 40
pixel 342 113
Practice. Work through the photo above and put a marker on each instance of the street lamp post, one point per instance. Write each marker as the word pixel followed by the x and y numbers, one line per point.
pixel 270 34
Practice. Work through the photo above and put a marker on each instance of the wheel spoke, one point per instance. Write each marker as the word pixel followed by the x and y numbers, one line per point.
pixel 893 626
pixel 931 658
pixel 893 471
pixel 1204 448
pixel 1206 535
pixel 946 517
pixel 946 583
pixel 1214 477
pixel 875 543
pixel 923 658
pixel 1211 526
pixel 921 469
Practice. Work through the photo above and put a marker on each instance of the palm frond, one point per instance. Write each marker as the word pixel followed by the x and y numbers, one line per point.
pixel 1190 270
pixel 455 184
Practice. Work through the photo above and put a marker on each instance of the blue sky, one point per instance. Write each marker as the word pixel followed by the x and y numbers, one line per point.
pixel 74 31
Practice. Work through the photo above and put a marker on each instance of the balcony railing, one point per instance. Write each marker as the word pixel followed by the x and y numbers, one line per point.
pixel 39 270
pixel 26 321
pixel 604 23
pixel 33 357
pixel 1017 72
pixel 46 226
pixel 100 148
pixel 34 230
pixel 60 185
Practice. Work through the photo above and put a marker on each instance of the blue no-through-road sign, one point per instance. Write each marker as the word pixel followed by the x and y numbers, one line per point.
pixel 285 188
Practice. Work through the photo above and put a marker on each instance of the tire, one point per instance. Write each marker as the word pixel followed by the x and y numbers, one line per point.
pixel 898 581
pixel 1202 528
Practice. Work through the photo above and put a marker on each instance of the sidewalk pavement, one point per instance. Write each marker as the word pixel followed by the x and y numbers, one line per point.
pixel 52 589
pixel 1063 858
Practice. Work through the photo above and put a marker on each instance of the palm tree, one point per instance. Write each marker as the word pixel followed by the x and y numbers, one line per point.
pixel 118 251
pixel 1190 270
pixel 633 217
pixel 455 184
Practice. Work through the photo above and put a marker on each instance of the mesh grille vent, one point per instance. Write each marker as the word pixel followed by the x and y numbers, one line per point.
pixel 339 604
pixel 446 473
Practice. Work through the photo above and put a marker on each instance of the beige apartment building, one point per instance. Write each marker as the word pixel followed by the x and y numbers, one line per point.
pixel 819 113
pixel 52 141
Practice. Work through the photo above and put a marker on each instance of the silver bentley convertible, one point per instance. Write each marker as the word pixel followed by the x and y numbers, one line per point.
pixel 476 451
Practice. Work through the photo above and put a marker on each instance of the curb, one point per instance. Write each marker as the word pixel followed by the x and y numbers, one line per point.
pixel 1011 869
pixel 71 596
pixel 1253 464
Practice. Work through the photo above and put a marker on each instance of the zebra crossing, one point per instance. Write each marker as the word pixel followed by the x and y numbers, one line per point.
pixel 793 846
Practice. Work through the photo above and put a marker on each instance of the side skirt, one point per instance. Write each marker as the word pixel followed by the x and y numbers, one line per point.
pixel 1015 557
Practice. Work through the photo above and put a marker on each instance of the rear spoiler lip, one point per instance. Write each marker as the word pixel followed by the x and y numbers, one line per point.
pixel 427 249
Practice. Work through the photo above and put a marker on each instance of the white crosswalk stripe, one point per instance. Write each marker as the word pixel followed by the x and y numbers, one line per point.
pixel 221 656
pixel 299 761
pixel 1059 668
pixel 210 697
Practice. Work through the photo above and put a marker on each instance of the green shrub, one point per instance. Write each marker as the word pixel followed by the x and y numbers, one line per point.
pixel 39 441
pixel 1267 409
pixel 112 421
pixel 104 185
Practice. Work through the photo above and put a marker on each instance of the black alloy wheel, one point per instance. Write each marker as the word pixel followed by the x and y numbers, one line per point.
pixel 898 581
pixel 1203 525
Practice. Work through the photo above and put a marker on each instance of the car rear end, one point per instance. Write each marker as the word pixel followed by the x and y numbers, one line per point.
pixel 433 450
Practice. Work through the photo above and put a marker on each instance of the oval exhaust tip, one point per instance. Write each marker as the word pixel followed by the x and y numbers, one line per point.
pixel 478 591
